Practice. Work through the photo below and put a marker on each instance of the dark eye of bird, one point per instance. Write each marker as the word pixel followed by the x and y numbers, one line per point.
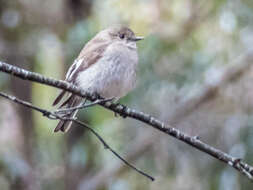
pixel 122 36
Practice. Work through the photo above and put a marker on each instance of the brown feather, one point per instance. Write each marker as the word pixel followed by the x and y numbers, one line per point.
pixel 72 102
pixel 70 99
pixel 59 126
pixel 59 97
pixel 90 54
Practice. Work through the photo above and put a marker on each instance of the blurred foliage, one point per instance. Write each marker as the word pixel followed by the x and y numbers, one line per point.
pixel 187 46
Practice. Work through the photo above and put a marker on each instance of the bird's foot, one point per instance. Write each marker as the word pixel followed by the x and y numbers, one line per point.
pixel 98 101
pixel 96 96
pixel 122 113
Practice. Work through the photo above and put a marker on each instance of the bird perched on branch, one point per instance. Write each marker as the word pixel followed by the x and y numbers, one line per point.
pixel 106 66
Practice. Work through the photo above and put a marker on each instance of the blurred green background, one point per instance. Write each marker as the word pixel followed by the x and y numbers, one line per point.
pixel 189 46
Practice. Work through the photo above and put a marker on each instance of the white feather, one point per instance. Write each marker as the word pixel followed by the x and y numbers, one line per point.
pixel 114 74
pixel 76 64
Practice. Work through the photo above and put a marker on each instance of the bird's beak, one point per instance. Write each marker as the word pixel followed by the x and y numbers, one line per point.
pixel 137 38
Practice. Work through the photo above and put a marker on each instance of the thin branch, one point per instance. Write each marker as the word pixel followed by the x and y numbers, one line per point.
pixel 53 115
pixel 84 105
pixel 136 149
pixel 236 163
pixel 207 92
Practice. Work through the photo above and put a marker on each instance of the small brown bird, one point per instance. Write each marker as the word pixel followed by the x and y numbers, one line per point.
pixel 105 66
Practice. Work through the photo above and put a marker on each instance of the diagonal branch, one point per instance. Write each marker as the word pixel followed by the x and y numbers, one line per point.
pixel 53 115
pixel 234 162
pixel 207 92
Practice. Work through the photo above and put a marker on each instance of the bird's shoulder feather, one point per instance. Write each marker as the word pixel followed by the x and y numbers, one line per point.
pixel 89 55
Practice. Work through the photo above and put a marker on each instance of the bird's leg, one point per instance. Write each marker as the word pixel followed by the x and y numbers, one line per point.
pixel 97 99
pixel 122 114
pixel 95 96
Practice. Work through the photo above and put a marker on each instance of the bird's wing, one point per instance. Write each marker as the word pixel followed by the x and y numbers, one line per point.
pixel 89 55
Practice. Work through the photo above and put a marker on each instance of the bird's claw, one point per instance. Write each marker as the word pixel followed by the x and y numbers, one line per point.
pixel 122 113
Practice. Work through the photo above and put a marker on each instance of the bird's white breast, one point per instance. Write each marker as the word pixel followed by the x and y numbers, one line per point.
pixel 114 74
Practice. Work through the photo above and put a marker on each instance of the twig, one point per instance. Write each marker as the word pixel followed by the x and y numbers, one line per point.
pixel 84 105
pixel 53 115
pixel 115 153
pixel 241 166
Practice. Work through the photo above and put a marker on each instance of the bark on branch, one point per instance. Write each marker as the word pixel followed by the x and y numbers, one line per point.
pixel 234 162
pixel 55 115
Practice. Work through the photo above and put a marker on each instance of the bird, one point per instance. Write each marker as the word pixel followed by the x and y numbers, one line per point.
pixel 106 66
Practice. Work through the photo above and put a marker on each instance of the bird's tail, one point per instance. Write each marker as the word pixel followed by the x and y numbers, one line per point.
pixel 72 101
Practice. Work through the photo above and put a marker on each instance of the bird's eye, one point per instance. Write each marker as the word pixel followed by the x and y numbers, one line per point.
pixel 122 36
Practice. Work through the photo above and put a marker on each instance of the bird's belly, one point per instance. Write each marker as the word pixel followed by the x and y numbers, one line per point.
pixel 110 77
